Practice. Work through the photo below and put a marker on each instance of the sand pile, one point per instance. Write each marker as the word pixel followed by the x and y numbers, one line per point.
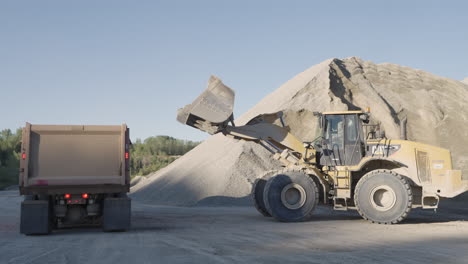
pixel 465 80
pixel 221 170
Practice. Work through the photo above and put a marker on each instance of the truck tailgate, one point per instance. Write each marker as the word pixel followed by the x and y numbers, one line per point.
pixel 74 155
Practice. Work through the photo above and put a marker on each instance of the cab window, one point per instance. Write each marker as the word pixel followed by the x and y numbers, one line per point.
pixel 334 131
pixel 351 129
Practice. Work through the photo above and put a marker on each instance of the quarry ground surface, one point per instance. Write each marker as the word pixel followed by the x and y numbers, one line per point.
pixel 162 234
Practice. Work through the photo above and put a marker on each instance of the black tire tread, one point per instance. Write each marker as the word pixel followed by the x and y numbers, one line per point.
pixel 312 182
pixel 397 176
pixel 257 206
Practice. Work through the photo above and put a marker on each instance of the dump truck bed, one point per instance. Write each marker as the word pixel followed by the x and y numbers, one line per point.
pixel 74 158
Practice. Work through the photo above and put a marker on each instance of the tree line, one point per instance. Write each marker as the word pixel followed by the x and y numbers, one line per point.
pixel 147 156
pixel 10 148
pixel 157 152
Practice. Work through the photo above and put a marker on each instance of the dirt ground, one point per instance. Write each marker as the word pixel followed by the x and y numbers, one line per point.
pixel 162 234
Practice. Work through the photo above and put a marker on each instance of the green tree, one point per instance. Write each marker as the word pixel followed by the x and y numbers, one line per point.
pixel 10 148
pixel 156 153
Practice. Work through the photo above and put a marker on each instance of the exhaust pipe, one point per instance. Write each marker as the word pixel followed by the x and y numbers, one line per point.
pixel 403 123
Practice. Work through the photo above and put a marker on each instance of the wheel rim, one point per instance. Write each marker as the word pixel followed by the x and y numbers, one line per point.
pixel 293 196
pixel 383 198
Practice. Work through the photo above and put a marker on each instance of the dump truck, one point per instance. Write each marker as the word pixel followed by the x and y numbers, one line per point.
pixel 350 165
pixel 74 175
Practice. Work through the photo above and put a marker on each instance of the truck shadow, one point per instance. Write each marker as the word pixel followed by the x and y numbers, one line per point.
pixel 136 227
pixel 141 222
pixel 77 230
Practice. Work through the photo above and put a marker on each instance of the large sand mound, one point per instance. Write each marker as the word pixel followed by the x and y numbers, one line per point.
pixel 221 170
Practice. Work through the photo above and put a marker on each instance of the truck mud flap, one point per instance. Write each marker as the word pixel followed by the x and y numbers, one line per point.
pixel 35 217
pixel 116 214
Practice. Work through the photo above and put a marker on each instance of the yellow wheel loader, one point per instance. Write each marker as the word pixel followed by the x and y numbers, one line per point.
pixel 349 165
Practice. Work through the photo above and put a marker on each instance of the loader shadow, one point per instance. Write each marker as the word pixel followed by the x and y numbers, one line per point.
pixel 322 213
pixel 449 211
pixel 225 201
pixel 419 216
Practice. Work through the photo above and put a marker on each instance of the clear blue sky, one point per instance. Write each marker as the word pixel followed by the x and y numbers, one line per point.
pixel 109 62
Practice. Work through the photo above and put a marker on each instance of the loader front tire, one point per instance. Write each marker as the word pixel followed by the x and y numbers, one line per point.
pixel 383 197
pixel 291 196
pixel 257 196
pixel 258 188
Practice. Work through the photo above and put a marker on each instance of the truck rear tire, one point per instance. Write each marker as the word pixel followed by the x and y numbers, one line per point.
pixel 36 217
pixel 116 213
pixel 291 196
pixel 383 197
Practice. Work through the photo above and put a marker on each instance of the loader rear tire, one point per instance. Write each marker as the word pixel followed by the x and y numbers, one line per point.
pixel 291 196
pixel 383 197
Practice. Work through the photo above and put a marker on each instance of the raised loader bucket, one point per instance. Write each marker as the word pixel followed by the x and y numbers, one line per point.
pixel 211 110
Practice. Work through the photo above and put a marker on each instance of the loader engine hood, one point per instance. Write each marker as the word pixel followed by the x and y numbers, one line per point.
pixel 211 110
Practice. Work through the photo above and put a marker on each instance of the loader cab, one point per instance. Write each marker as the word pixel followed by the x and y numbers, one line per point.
pixel 342 139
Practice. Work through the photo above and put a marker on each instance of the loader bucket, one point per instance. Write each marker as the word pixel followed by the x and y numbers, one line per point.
pixel 211 110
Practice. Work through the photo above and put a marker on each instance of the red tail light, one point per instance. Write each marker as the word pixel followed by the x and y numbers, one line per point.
pixel 67 196
pixel 23 156
pixel 84 195
pixel 127 155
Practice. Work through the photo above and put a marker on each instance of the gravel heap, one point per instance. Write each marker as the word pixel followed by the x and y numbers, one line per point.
pixel 221 170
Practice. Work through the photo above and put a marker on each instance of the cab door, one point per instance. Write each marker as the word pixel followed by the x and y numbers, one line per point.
pixel 333 141
pixel 342 140
pixel 353 140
